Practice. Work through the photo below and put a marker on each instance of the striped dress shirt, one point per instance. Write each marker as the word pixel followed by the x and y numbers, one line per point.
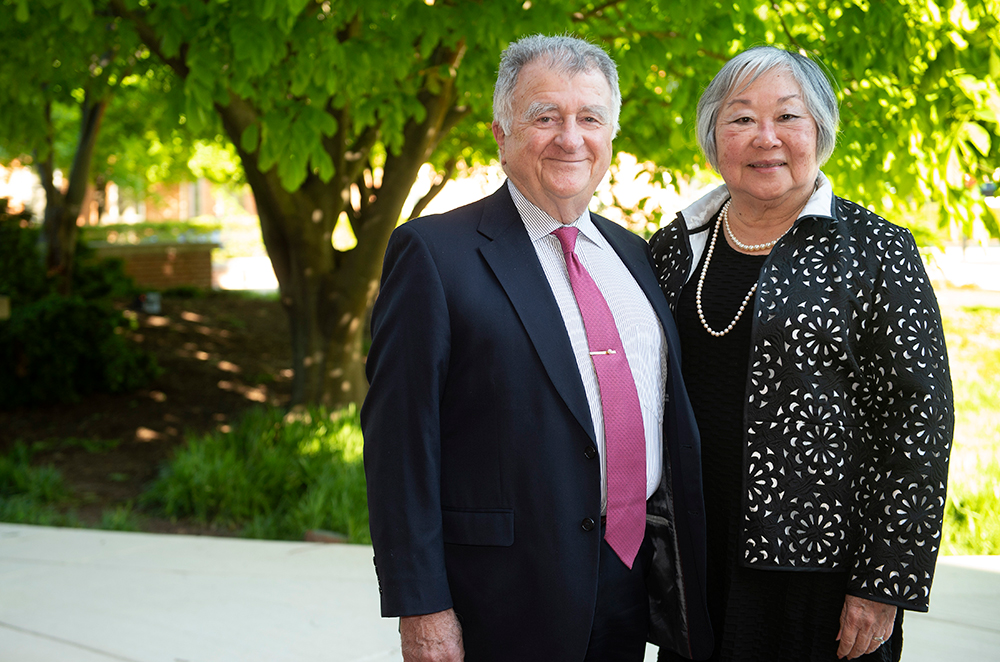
pixel 639 327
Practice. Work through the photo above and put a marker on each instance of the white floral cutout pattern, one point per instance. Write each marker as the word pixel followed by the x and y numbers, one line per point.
pixel 849 413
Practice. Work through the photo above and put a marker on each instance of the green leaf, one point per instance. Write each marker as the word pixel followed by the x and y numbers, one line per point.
pixel 292 170
pixel 978 136
pixel 953 172
pixel 268 8
pixel 250 138
pixel 323 163
pixel 295 7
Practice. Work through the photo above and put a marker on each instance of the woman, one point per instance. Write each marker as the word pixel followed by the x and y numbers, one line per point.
pixel 816 364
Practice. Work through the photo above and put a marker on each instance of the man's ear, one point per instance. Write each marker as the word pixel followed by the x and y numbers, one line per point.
pixel 499 136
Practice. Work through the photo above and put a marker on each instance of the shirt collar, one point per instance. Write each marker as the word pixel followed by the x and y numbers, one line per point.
pixel 539 224
pixel 701 211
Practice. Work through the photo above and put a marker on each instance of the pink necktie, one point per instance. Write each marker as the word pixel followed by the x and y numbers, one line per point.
pixel 624 439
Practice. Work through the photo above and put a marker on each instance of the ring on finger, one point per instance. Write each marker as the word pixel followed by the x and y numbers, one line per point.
pixel 878 639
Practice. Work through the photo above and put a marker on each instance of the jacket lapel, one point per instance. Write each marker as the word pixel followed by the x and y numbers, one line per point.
pixel 512 258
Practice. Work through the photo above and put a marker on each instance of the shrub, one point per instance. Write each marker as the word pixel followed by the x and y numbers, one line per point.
pixel 193 230
pixel 103 278
pixel 31 495
pixel 59 348
pixel 275 476
pixel 55 348
pixel 22 276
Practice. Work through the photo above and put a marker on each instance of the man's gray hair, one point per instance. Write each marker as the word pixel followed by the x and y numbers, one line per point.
pixel 740 73
pixel 567 55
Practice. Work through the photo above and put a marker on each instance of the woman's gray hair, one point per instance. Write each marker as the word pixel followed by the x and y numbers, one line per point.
pixel 741 72
pixel 567 55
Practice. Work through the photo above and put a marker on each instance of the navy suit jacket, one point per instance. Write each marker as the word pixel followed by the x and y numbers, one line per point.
pixel 479 447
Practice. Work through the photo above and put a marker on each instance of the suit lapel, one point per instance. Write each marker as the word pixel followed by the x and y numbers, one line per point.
pixel 514 262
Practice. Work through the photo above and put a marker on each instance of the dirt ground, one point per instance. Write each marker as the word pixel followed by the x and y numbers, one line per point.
pixel 221 353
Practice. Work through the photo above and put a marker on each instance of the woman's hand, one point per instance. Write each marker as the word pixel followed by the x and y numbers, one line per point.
pixel 864 626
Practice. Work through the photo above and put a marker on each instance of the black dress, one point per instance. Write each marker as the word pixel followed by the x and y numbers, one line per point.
pixel 757 615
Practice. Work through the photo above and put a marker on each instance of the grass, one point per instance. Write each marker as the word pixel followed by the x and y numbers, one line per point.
pixel 972 513
pixel 38 495
pixel 273 475
pixel 88 445
pixel 32 495
pixel 121 518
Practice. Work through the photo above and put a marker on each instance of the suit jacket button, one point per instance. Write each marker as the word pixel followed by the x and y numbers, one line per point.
pixel 590 452
pixel 587 524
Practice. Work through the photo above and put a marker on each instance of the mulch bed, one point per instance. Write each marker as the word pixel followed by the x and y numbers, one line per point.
pixel 221 354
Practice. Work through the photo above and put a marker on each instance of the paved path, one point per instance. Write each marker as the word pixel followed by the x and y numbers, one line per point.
pixel 77 595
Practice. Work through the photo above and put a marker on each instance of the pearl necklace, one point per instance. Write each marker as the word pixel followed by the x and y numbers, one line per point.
pixel 723 220
pixel 747 248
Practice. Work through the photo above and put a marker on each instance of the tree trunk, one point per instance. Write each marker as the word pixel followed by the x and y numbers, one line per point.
pixel 101 197
pixel 325 292
pixel 63 209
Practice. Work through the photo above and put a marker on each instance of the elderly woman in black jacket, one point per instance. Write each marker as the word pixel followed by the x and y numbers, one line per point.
pixel 816 364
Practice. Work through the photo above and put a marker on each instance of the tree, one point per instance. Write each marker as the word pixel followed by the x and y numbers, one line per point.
pixel 917 81
pixel 142 143
pixel 57 72
pixel 334 106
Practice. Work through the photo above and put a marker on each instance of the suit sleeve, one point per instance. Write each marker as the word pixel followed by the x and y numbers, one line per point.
pixel 911 420
pixel 406 367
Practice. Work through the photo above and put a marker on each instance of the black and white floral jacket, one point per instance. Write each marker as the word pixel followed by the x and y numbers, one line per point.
pixel 849 413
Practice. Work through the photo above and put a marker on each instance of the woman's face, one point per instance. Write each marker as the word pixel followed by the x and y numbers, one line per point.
pixel 766 141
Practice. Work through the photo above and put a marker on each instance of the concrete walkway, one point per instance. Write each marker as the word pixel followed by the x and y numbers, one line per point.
pixel 76 595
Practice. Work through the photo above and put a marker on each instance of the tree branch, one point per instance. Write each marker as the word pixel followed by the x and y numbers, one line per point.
pixel 91 114
pixel 148 37
pixel 581 17
pixel 358 151
pixel 364 191
pixel 237 115
pixel 440 180
pixel 784 27
pixel 45 165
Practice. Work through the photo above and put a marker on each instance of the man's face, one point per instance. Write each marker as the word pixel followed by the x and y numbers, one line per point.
pixel 559 146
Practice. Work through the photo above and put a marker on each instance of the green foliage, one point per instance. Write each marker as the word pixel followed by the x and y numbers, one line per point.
pixel 43 484
pixel 38 495
pixel 920 114
pixel 972 514
pixel 333 106
pixel 196 230
pixel 101 279
pixel 973 335
pixel 185 292
pixel 93 446
pixel 121 518
pixel 57 57
pixel 56 348
pixel 274 475
pixel 59 348
pixel 22 277
pixel 49 63
pixel 31 495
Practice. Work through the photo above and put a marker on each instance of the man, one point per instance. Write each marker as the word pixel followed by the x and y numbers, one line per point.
pixel 507 499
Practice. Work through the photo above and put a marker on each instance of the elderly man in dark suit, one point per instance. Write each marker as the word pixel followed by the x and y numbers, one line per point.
pixel 527 429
